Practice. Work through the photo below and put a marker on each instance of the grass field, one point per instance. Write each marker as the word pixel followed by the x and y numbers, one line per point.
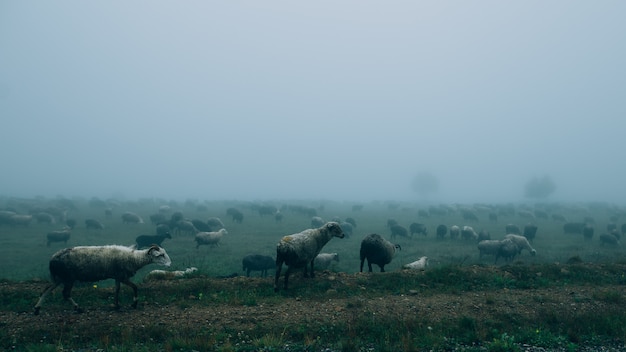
pixel 574 287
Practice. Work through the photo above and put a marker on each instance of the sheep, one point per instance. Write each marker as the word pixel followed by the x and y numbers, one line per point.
pixel 201 225
pixel 257 262
pixel 58 236
pixel 186 227
pixel 323 260
pixel 169 275
pixel 441 231
pixel 209 238
pixel 21 219
pixel 499 248
pixel 93 224
pixel 483 235
pixel 377 250
pixel 468 233
pixel 316 222
pixel 398 230
pixel 131 218
pixel 609 239
pixel 347 228
pixel 235 214
pixel 522 243
pixel 351 221
pixel 420 264
pixel 144 241
pixel 417 228
pixel 530 231
pixel 512 229
pixel 454 231
pixel 95 263
pixel 215 224
pixel 300 249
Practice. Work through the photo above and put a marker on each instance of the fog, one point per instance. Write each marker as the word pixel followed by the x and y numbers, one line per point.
pixel 312 100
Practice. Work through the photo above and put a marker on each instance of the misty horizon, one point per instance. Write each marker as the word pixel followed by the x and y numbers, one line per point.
pixel 345 102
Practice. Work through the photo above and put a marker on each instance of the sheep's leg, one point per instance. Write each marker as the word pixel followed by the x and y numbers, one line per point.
pixel 44 294
pixel 67 291
pixel 128 283
pixel 287 276
pixel 362 261
pixel 279 266
pixel 312 272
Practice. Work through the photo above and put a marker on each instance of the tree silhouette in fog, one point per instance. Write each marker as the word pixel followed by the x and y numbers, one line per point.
pixel 425 183
pixel 539 187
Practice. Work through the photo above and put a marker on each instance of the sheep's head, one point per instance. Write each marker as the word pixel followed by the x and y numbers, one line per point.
pixel 334 229
pixel 159 256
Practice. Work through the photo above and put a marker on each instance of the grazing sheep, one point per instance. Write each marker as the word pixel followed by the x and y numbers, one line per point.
pixel 351 221
pixel 235 214
pixel 522 243
pixel 299 250
pixel 499 248
pixel 377 250
pixel 144 241
pixel 468 233
pixel 441 231
pixel 469 215
pixel 93 224
pixel 419 264
pixel 417 228
pixel 215 224
pixel 398 230
pixel 169 275
pixel 58 236
pixel 131 218
pixel 323 260
pixel 609 239
pixel 455 231
pixel 95 263
pixel 201 225
pixel 185 227
pixel 257 262
pixel 210 238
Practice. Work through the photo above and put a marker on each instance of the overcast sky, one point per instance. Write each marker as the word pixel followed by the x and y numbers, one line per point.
pixel 344 100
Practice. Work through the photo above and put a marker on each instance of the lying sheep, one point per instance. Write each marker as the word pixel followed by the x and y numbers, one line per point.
pixel 323 260
pixel 257 262
pixel 210 238
pixel 95 263
pixel 377 250
pixel 58 236
pixel 299 250
pixel 609 239
pixel 522 243
pixel 144 241
pixel 169 275
pixel 419 264
pixel 131 218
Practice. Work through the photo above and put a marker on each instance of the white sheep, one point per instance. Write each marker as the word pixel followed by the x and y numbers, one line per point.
pixel 299 250
pixel 522 243
pixel 468 233
pixel 169 275
pixel 95 263
pixel 420 264
pixel 131 218
pixel 377 250
pixel 210 238
pixel 323 260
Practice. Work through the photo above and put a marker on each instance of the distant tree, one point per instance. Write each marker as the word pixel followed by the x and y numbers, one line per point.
pixel 425 183
pixel 539 187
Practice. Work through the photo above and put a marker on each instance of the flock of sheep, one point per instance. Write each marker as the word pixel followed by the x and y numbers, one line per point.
pixel 298 251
